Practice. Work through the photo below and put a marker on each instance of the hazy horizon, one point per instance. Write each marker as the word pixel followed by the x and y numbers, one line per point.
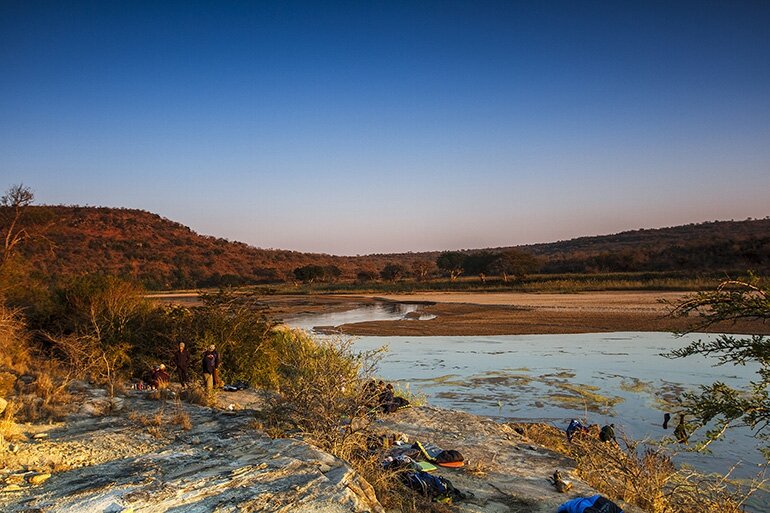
pixel 356 128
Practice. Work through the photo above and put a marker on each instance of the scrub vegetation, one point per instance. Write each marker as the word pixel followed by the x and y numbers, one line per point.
pixel 642 475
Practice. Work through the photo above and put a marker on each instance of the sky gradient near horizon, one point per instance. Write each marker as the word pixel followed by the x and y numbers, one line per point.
pixel 362 127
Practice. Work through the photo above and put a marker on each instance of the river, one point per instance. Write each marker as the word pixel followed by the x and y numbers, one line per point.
pixel 607 377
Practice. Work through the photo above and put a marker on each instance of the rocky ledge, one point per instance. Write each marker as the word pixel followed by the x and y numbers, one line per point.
pixel 140 459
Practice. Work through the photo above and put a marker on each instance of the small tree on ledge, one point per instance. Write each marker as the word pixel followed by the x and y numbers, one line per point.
pixel 719 403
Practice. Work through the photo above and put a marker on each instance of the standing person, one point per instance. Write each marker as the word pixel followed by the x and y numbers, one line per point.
pixel 182 362
pixel 217 382
pixel 210 362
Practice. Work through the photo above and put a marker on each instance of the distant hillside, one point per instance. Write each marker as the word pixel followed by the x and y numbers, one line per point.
pixel 161 253
pixel 711 246
pixel 164 254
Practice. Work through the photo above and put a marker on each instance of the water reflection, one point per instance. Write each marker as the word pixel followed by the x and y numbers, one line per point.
pixel 384 311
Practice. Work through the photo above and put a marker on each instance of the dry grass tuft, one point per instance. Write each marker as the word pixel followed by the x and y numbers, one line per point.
pixel 477 469
pixel 158 423
pixel 9 430
pixel 182 419
pixel 196 394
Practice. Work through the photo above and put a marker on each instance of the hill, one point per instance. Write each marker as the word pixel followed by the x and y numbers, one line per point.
pixel 165 254
pixel 730 246
pixel 159 252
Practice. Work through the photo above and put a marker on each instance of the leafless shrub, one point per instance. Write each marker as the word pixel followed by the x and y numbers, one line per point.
pixel 324 397
pixel 15 355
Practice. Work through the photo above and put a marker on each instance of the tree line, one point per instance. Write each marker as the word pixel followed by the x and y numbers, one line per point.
pixel 508 264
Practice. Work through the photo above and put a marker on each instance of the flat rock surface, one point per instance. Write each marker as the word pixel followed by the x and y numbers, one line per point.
pixel 221 464
pixel 505 471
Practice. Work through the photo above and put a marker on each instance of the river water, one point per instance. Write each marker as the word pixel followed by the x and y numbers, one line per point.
pixel 604 377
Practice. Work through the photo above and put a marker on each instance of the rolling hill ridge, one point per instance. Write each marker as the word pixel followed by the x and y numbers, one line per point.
pixel 164 254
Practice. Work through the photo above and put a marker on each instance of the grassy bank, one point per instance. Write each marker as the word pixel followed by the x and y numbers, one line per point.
pixel 566 283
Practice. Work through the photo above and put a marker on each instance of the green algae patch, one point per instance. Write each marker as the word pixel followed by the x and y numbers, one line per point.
pixel 500 379
pixel 562 375
pixel 635 385
pixel 438 379
pixel 582 397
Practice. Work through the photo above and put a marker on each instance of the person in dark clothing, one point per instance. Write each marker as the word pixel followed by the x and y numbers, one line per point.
pixel 575 427
pixel 680 432
pixel 386 398
pixel 666 418
pixel 607 434
pixel 160 377
pixel 210 363
pixel 182 363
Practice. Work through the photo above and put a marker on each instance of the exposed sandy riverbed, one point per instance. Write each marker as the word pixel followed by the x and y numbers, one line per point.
pixel 522 313
pixel 511 313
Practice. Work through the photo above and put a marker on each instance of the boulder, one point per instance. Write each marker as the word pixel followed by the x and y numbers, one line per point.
pixel 77 386
pixel 97 407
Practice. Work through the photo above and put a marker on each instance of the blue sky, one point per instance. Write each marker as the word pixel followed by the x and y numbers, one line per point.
pixel 360 127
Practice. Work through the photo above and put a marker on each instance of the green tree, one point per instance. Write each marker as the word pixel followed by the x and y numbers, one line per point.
pixel 364 276
pixel 478 263
pixel 239 327
pixel 718 405
pixel 331 273
pixel 309 273
pixel 393 272
pixel 513 263
pixel 451 262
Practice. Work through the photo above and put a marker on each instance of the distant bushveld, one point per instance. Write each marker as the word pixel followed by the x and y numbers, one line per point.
pixel 162 254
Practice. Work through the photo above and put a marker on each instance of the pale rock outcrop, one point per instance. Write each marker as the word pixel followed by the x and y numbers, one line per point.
pixel 124 462
pixel 115 464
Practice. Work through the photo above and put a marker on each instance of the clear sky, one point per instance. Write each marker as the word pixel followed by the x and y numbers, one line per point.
pixel 359 127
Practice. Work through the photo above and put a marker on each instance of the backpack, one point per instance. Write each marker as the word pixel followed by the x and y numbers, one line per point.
pixel 603 505
pixel 448 456
pixel 436 488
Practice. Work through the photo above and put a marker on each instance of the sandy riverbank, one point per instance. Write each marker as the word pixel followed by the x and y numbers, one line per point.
pixel 522 313
pixel 509 313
